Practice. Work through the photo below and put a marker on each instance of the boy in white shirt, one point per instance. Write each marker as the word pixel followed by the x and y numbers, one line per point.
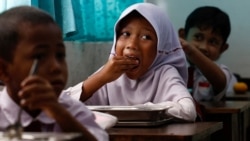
pixel 206 31
pixel 28 35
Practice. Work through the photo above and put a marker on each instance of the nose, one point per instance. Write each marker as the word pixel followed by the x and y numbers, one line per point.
pixel 132 44
pixel 54 65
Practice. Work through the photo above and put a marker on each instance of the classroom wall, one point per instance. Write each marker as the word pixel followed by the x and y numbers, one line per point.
pixel 85 58
pixel 237 57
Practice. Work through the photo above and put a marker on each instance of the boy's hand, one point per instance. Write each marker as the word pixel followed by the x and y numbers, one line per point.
pixel 192 53
pixel 185 46
pixel 116 66
pixel 37 93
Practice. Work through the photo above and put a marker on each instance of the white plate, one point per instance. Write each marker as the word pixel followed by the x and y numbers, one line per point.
pixel 133 113
pixel 37 136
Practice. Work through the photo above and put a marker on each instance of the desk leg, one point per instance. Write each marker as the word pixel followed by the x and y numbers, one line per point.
pixel 247 125
pixel 244 122
pixel 230 131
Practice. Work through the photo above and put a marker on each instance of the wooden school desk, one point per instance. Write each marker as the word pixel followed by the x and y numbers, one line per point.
pixel 198 131
pixel 242 97
pixel 237 97
pixel 233 114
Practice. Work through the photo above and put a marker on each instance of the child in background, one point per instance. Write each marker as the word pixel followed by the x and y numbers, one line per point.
pixel 147 66
pixel 29 34
pixel 206 31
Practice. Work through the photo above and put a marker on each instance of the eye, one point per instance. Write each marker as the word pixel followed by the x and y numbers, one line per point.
pixel 125 34
pixel 146 37
pixel 61 55
pixel 214 42
pixel 198 37
pixel 39 56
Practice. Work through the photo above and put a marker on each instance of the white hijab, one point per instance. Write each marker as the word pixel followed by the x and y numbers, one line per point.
pixel 162 82
pixel 169 50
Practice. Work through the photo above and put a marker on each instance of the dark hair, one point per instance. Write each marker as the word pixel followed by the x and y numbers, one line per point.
pixel 209 17
pixel 10 21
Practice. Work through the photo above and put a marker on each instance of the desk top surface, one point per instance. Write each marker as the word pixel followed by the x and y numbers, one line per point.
pixel 235 96
pixel 197 129
pixel 226 106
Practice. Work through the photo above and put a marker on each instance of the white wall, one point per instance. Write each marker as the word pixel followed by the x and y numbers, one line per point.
pixel 237 57
pixel 85 59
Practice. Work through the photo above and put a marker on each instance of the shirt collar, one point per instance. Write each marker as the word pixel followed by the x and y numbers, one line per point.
pixel 12 113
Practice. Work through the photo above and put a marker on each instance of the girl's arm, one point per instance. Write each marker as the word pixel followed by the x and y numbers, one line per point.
pixel 113 69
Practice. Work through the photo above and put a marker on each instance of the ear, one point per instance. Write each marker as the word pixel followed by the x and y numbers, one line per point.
pixel 3 71
pixel 224 48
pixel 181 32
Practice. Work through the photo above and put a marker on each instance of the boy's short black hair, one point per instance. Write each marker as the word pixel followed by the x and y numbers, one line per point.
pixel 10 29
pixel 209 17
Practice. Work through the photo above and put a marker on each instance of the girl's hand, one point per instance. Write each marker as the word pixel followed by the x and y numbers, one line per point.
pixel 116 66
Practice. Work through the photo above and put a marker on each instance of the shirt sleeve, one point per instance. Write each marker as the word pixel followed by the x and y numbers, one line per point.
pixel 184 109
pixel 231 80
pixel 84 116
pixel 75 91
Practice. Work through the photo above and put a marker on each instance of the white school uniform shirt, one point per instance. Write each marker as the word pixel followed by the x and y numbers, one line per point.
pixel 202 89
pixel 9 110
pixel 174 95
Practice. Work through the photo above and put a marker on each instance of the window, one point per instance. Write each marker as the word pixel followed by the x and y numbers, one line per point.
pixel 80 20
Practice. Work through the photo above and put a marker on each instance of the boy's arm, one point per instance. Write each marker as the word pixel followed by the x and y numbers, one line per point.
pixel 209 69
pixel 67 122
pixel 38 93
pixel 113 69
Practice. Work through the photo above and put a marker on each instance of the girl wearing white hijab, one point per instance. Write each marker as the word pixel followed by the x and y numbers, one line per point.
pixel 147 66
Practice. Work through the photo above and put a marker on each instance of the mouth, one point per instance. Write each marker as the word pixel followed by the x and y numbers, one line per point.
pixel 133 58
pixel 58 85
